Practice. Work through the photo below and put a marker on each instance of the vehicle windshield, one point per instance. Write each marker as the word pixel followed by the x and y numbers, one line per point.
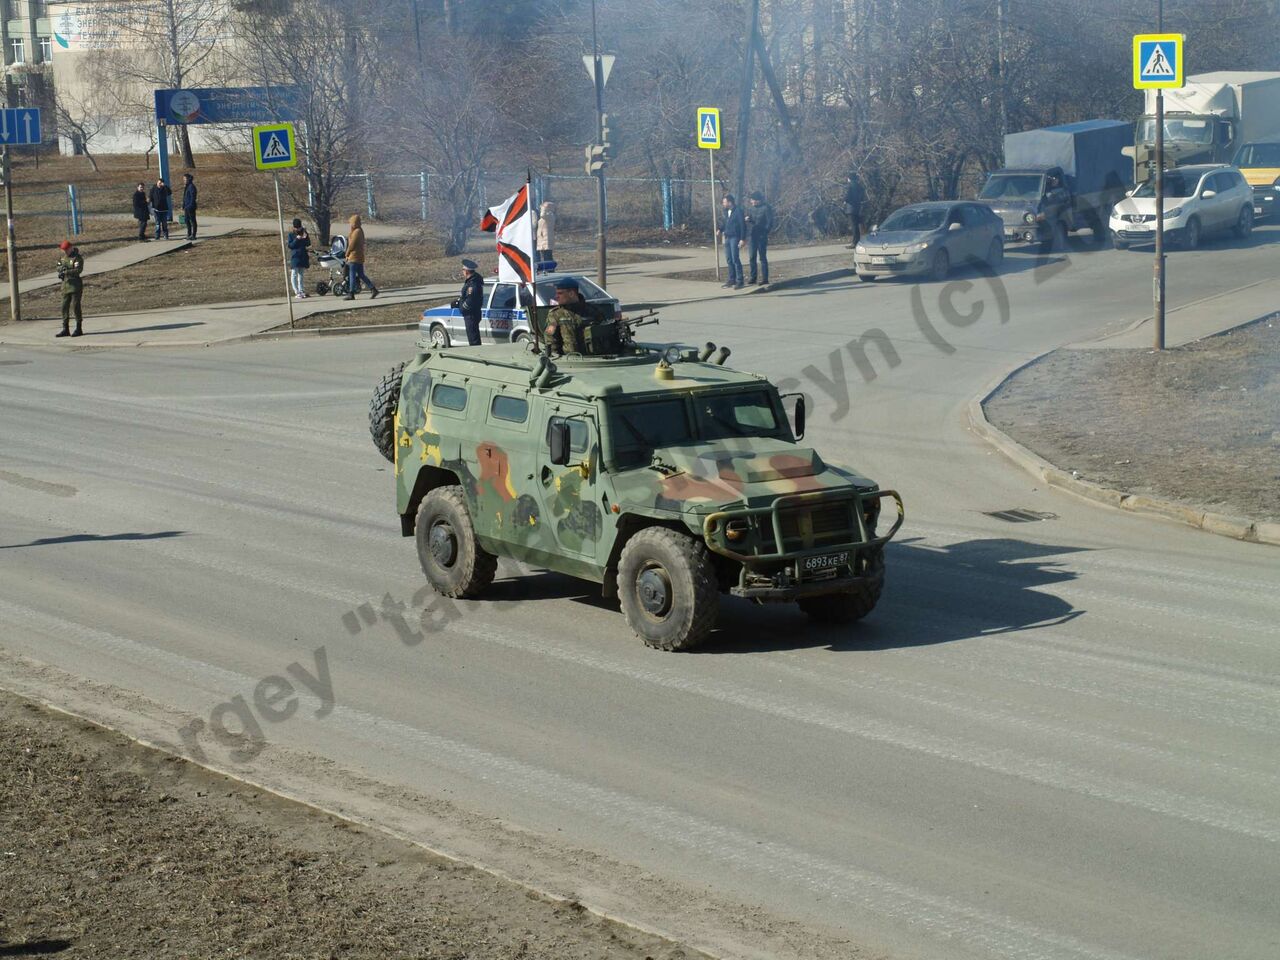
pixel 547 290
pixel 1258 155
pixel 636 430
pixel 1176 186
pixel 1185 131
pixel 915 219
pixel 1021 186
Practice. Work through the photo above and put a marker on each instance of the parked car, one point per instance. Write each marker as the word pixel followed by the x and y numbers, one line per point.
pixel 929 239
pixel 1260 164
pixel 1199 201
pixel 504 318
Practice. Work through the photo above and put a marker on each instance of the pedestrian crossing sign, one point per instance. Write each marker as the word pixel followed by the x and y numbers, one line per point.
pixel 1157 60
pixel 273 146
pixel 709 128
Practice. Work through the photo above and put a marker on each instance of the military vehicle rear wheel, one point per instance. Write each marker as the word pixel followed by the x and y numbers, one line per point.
pixel 451 556
pixel 382 412
pixel 844 607
pixel 667 588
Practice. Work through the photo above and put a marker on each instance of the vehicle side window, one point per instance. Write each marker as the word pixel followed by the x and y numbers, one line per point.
pixel 971 216
pixel 578 434
pixel 1212 182
pixel 504 297
pixel 449 397
pixel 514 409
pixel 955 216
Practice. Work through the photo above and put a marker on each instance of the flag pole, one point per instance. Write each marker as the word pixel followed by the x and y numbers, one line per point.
pixel 534 325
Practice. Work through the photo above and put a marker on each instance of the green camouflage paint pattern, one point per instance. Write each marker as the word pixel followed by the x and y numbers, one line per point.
pixel 567 518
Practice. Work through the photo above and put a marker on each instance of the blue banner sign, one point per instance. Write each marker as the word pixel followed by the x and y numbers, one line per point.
pixel 228 104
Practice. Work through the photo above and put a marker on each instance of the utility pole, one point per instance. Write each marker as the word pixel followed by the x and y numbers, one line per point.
pixel 11 246
pixel 744 104
pixel 598 76
pixel 1158 285
pixel 1001 14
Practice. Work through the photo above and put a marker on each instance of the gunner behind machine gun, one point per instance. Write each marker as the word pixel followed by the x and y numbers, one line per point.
pixel 574 325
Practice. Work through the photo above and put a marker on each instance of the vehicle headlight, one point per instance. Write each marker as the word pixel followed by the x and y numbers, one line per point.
pixel 1174 213
pixel 1028 218
pixel 917 247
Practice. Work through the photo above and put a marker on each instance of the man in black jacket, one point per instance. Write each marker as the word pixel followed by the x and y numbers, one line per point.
pixel 759 219
pixel 141 210
pixel 189 204
pixel 161 198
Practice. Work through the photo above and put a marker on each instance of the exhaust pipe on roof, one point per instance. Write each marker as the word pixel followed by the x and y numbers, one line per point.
pixel 721 356
pixel 708 349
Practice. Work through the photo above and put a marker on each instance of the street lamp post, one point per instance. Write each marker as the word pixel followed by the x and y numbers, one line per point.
pixel 598 76
pixel 1158 284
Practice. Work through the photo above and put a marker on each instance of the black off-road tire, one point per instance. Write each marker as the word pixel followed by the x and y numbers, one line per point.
pixel 458 566
pixel 382 412
pixel 683 616
pixel 847 606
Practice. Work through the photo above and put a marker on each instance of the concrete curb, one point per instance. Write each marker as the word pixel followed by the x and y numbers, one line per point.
pixel 1238 528
pixel 326 331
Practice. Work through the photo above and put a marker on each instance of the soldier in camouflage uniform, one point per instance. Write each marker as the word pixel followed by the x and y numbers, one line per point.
pixel 567 320
pixel 70 266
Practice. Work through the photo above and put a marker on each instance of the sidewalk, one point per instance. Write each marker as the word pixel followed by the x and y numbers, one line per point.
pixel 208 323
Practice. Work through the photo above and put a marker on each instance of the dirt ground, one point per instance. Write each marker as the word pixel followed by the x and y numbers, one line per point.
pixel 1199 424
pixel 395 313
pixel 108 849
pixel 779 270
pixel 38 239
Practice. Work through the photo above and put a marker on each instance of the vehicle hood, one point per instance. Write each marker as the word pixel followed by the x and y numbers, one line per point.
pixel 893 241
pixel 1145 205
pixel 707 477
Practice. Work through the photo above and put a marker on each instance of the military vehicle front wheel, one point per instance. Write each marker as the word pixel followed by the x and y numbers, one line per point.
pixel 382 412
pixel 451 556
pixel 845 607
pixel 667 588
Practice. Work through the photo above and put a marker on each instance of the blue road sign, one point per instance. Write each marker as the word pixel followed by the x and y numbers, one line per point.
pixel 228 104
pixel 1157 60
pixel 20 126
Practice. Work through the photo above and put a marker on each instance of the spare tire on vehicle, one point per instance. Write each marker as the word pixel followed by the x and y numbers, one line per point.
pixel 382 412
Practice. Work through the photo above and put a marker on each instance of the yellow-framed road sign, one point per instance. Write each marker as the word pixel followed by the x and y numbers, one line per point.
pixel 274 146
pixel 1157 61
pixel 708 131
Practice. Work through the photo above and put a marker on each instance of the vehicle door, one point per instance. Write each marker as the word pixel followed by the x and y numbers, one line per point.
pixel 1241 193
pixel 570 494
pixel 978 228
pixel 1213 217
pixel 959 242
pixel 500 316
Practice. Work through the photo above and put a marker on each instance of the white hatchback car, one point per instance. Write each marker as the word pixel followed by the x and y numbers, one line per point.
pixel 1199 201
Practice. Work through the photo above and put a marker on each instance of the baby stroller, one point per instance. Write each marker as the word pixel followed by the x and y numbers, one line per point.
pixel 336 260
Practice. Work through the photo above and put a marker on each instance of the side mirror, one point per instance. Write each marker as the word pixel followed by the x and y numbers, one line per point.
pixel 560 443
pixel 799 431
pixel 1209 193
pixel 954 226
pixel 875 227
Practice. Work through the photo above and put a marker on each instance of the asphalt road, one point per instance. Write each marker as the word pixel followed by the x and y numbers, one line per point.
pixel 1053 739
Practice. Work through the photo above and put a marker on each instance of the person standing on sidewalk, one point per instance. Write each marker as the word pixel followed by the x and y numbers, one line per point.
pixel 854 197
pixel 470 301
pixel 70 267
pixel 546 231
pixel 759 220
pixel 189 193
pixel 141 210
pixel 355 260
pixel 733 230
pixel 299 259
pixel 161 198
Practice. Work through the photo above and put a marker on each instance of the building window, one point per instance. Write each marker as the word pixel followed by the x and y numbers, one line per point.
pixel 18 48
pixel 46 49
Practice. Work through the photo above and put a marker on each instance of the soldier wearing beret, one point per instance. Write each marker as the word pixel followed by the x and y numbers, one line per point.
pixel 70 266
pixel 471 301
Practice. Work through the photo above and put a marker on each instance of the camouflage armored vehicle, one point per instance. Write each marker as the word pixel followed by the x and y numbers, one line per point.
pixel 657 472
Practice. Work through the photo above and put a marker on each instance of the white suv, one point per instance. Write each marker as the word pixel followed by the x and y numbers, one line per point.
pixel 1199 201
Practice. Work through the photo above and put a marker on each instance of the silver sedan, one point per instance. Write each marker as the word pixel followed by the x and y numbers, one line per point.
pixel 928 239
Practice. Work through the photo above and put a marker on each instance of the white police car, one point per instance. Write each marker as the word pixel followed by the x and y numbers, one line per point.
pixel 503 319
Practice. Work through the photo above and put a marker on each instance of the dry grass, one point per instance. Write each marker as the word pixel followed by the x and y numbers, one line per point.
pixel 38 239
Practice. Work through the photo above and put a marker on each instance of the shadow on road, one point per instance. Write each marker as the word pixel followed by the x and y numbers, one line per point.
pixel 153 327
pixel 95 538
pixel 932 595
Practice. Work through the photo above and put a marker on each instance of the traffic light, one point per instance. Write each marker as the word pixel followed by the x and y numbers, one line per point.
pixel 597 158
pixel 606 136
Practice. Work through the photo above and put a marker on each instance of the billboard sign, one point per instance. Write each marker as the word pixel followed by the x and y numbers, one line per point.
pixel 227 104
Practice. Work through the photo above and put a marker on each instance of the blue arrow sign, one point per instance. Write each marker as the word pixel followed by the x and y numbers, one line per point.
pixel 19 126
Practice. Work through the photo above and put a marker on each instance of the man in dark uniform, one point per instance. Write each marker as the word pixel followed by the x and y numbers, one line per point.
pixel 568 318
pixel 471 301
pixel 70 266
